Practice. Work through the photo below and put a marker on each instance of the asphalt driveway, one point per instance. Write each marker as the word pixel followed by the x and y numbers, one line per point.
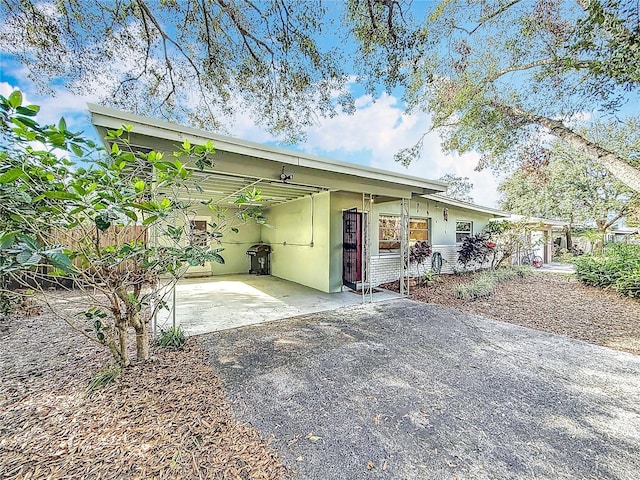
pixel 406 390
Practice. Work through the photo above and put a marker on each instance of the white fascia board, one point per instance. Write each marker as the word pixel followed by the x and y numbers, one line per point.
pixel 469 206
pixel 114 119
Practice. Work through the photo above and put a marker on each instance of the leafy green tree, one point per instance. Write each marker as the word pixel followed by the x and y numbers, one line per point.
pixel 459 187
pixel 189 60
pixel 111 226
pixel 499 76
pixel 565 184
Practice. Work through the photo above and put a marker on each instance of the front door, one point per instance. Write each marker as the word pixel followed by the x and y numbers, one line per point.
pixel 351 248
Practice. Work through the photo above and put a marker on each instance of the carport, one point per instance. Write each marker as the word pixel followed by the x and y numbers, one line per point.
pixel 210 304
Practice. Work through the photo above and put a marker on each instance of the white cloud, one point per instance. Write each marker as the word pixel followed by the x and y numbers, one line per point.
pixel 379 129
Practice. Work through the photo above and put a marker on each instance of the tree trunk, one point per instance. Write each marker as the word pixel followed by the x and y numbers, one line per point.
pixel 602 230
pixel 142 341
pixel 124 352
pixel 615 165
pixel 114 347
pixel 568 237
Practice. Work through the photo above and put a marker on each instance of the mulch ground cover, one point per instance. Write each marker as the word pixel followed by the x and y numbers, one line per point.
pixel 552 302
pixel 166 419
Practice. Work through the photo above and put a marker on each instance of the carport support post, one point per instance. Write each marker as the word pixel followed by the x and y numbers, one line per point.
pixel 173 309
pixel 365 232
pixel 405 208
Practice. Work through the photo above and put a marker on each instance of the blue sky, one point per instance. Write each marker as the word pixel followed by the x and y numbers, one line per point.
pixel 369 137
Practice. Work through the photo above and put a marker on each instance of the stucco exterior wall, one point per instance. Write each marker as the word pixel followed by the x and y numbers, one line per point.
pixel 307 246
pixel 300 240
pixel 385 267
pixel 235 246
pixel 443 232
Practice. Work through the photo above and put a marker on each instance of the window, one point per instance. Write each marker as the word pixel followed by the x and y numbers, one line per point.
pixel 199 236
pixel 389 232
pixel 464 229
pixel 418 230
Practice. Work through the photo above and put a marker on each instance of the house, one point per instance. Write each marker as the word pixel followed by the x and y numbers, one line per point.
pixel 331 223
pixel 620 232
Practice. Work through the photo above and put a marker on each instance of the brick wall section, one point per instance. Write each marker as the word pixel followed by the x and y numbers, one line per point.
pixel 386 268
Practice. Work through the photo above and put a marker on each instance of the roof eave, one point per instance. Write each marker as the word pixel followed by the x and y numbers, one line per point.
pixel 470 206
pixel 112 119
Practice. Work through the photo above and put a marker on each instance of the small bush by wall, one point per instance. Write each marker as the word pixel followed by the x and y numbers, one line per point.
pixel 618 268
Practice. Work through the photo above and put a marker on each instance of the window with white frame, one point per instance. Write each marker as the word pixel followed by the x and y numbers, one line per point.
pixel 389 230
pixel 464 229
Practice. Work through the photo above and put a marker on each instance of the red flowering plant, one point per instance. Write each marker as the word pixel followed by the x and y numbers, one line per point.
pixel 493 246
pixel 418 254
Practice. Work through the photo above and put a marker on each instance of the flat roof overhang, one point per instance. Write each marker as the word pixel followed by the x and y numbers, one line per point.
pixel 469 206
pixel 240 164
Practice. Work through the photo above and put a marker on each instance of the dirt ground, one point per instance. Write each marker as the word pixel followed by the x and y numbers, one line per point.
pixel 169 419
pixel 552 302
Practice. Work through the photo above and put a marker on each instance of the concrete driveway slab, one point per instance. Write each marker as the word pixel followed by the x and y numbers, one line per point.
pixel 220 302
pixel 406 390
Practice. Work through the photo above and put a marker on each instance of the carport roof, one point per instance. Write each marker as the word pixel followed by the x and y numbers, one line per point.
pixel 317 167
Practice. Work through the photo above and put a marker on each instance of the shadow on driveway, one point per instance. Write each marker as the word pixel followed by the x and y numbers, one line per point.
pixel 406 390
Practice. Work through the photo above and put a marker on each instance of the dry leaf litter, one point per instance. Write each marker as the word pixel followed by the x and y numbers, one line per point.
pixel 167 419
pixel 552 302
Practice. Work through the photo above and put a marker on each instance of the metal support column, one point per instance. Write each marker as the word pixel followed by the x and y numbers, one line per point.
pixel 366 285
pixel 405 208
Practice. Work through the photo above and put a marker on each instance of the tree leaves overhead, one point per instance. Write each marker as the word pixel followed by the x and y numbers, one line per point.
pixel 191 60
pixel 497 76
pixel 573 188
pixel 609 37
pixel 458 187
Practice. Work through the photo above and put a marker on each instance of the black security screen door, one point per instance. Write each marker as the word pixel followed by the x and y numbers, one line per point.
pixel 351 248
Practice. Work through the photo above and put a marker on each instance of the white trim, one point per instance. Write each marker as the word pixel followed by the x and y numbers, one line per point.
pixel 466 205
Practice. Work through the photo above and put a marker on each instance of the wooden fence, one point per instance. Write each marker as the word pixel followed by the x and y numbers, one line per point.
pixel 113 236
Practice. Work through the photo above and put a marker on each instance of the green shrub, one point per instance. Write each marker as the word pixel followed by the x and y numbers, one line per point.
pixel 482 286
pixel 484 283
pixel 511 273
pixel 629 285
pixel 618 268
pixel 172 338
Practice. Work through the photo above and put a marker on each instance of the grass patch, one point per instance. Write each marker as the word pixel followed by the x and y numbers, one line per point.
pixel 103 378
pixel 172 338
pixel 484 283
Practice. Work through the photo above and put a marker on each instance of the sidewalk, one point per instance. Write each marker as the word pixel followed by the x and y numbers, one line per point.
pixel 557 267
